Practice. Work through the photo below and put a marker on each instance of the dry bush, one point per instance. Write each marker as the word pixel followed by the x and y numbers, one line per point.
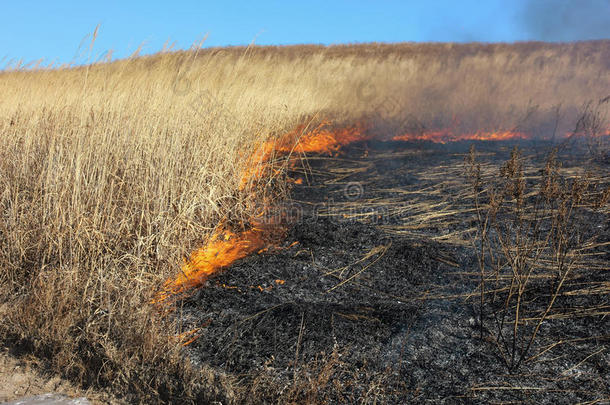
pixel 111 173
pixel 593 126
pixel 530 237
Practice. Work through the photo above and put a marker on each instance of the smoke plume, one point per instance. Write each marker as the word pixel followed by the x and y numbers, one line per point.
pixel 566 20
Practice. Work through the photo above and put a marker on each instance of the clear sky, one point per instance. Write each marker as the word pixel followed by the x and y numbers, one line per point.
pixel 53 29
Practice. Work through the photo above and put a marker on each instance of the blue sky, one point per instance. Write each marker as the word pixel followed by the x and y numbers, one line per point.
pixel 30 30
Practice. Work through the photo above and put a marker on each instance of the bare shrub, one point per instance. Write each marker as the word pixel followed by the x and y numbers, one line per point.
pixel 530 235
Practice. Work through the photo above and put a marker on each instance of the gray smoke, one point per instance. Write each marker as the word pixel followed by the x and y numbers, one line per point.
pixel 566 20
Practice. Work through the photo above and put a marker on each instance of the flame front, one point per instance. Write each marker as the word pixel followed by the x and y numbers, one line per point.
pixel 322 139
pixel 224 247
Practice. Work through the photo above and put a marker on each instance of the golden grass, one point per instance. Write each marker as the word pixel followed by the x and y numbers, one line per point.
pixel 111 173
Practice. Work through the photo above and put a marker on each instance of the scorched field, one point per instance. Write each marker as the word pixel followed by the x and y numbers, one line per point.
pixel 305 224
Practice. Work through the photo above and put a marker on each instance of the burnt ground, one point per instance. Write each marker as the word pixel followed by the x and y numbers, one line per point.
pixel 376 303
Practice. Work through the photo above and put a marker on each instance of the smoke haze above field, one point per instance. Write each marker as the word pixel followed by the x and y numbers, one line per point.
pixel 566 20
pixel 525 20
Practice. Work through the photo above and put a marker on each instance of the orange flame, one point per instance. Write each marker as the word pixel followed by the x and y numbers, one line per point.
pixel 321 140
pixel 223 248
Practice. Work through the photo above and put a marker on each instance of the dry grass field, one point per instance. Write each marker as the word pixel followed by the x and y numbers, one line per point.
pixel 112 173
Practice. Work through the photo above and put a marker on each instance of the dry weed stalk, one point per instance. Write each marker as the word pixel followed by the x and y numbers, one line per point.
pixel 520 225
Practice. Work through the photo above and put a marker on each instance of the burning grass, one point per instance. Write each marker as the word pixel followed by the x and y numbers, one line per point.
pixel 112 174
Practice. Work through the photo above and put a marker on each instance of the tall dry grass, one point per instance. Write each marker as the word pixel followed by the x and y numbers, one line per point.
pixel 111 173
